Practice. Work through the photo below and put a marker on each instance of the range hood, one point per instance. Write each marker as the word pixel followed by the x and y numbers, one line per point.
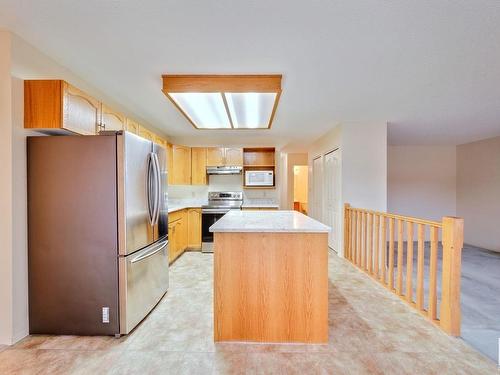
pixel 224 170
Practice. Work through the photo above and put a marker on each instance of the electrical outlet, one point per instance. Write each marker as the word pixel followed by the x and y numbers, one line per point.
pixel 105 314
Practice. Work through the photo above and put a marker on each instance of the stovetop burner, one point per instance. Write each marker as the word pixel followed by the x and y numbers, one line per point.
pixel 224 199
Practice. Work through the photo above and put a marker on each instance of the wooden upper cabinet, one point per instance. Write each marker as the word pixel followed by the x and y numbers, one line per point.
pixel 234 157
pixel 55 105
pixel 220 156
pixel 160 140
pixel 181 165
pixel 145 133
pixel 81 112
pixel 112 120
pixel 198 166
pixel 215 156
pixel 132 126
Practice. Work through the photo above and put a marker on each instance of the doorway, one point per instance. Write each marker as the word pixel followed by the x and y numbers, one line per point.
pixel 300 188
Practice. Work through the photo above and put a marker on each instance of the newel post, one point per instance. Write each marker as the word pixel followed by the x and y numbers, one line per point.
pixel 453 240
pixel 347 229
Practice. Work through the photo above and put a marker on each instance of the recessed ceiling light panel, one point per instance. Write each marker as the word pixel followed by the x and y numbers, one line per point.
pixel 251 110
pixel 206 110
pixel 225 101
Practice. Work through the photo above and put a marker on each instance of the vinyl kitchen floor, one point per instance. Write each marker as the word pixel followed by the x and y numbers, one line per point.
pixel 371 332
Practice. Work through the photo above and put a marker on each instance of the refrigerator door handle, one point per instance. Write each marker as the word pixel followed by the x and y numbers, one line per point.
pixel 149 253
pixel 158 188
pixel 150 185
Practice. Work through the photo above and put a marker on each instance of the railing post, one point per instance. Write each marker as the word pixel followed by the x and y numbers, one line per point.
pixel 347 229
pixel 453 240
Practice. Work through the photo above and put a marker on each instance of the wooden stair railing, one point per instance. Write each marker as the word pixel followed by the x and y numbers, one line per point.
pixel 369 243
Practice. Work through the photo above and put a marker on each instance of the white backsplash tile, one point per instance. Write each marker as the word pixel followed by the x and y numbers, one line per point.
pixel 220 183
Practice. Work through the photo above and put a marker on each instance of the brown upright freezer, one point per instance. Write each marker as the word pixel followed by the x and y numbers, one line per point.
pixel 97 232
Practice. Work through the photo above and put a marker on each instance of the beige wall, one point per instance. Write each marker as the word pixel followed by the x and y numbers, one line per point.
pixel 422 181
pixel 6 316
pixel 478 192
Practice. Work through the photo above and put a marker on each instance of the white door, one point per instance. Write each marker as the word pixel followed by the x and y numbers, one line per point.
pixel 317 211
pixel 331 214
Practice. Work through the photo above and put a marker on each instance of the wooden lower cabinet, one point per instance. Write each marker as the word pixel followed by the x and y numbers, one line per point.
pixel 183 232
pixel 194 228
pixel 177 234
pixel 172 245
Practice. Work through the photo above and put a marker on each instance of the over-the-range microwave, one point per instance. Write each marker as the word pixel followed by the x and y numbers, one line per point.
pixel 259 178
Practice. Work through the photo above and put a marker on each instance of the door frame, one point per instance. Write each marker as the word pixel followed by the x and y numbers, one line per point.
pixel 314 212
pixel 338 226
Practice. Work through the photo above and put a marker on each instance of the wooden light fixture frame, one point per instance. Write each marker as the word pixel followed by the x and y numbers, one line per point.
pixel 202 83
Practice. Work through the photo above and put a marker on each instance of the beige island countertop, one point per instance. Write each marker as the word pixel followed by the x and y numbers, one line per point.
pixel 270 277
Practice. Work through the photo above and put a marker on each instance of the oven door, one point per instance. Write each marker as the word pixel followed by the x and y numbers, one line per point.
pixel 208 217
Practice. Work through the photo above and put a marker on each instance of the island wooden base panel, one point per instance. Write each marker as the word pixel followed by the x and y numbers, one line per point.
pixel 271 287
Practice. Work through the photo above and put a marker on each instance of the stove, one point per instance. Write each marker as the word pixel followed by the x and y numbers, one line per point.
pixel 219 203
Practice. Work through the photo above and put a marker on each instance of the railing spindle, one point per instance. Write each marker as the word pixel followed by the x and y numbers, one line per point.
pixel 354 234
pixel 377 245
pixel 391 254
pixel 409 261
pixel 399 280
pixel 433 274
pixel 363 254
pixel 351 241
pixel 383 258
pixel 369 248
pixel 420 267
pixel 358 247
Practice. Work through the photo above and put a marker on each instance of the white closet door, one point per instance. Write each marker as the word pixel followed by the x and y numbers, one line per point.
pixel 317 211
pixel 331 213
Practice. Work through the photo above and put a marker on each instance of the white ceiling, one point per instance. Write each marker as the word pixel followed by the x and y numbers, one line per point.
pixel 431 69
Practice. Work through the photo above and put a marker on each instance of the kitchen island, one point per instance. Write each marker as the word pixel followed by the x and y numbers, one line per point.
pixel 270 277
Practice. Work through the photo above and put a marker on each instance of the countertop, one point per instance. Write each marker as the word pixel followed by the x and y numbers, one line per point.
pixel 180 204
pixel 268 221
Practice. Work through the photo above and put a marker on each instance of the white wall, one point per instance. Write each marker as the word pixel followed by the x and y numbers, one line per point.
pixel 478 192
pixel 30 63
pixel 363 154
pixel 6 324
pixel 364 165
pixel 422 181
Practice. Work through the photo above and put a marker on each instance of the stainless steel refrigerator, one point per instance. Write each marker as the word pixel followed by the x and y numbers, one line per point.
pixel 97 232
